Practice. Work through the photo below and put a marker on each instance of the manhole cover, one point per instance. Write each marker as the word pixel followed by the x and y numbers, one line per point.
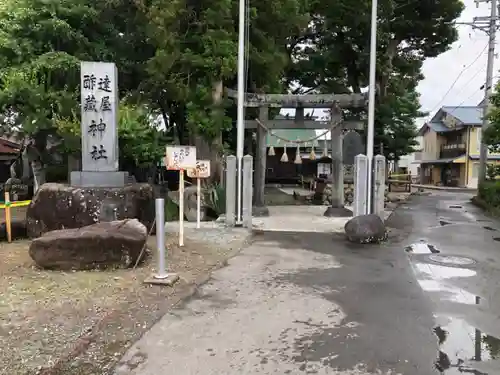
pixel 451 260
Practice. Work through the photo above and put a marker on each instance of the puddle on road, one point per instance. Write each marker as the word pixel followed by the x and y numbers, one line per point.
pixel 489 228
pixel 438 278
pixel 455 206
pixel 442 272
pixel 421 248
pixel 443 223
pixel 462 347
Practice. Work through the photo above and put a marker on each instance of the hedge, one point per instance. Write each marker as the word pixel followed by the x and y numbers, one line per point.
pixel 489 192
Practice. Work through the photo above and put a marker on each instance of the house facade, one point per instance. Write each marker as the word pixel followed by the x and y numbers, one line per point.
pixel 450 147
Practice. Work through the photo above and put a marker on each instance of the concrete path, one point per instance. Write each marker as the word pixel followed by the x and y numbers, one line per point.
pixel 297 303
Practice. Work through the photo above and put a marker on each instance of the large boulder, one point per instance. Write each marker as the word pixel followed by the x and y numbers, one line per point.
pixel 59 206
pixel 190 203
pixel 365 229
pixel 115 244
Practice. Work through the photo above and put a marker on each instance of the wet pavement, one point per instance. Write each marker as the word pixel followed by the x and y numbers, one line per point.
pixel 456 264
pixel 426 302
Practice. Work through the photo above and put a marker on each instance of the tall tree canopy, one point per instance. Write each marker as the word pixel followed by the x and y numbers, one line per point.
pixel 336 58
pixel 175 57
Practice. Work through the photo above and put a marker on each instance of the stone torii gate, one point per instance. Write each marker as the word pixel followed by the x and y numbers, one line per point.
pixel 334 102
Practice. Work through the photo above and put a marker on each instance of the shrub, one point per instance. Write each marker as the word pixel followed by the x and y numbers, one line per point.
pixel 171 210
pixel 489 192
pixel 215 198
pixel 492 171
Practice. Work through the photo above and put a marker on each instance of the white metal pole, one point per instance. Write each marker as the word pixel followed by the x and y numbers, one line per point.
pixel 483 151
pixel 181 208
pixel 371 106
pixel 240 125
pixel 160 238
pixel 198 202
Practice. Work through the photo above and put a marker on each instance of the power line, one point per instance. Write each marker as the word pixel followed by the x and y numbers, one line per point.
pixel 458 77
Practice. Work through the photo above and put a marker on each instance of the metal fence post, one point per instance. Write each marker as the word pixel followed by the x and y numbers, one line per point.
pixel 161 277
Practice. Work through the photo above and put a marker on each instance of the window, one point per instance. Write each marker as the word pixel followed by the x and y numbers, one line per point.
pixel 478 134
pixel 475 170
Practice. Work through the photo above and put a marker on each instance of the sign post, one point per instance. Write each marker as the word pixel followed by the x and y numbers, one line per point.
pixel 8 227
pixel 180 158
pixel 202 170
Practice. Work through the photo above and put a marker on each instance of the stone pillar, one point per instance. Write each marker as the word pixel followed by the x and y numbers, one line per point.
pixel 260 208
pixel 231 190
pixel 247 190
pixel 249 141
pixel 360 173
pixel 99 127
pixel 337 208
pixel 379 186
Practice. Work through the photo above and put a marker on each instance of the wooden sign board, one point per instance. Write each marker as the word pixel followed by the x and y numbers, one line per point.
pixel 180 157
pixel 202 169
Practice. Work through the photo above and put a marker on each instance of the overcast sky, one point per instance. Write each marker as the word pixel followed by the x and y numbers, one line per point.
pixel 468 53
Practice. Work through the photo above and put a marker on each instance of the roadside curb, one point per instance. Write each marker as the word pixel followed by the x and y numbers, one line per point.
pixel 446 189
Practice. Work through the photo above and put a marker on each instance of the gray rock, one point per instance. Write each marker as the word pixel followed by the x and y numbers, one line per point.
pixel 365 229
pixel 59 206
pixel 115 244
pixel 190 203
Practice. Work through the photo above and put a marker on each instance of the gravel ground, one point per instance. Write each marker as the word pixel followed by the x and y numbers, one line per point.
pixel 82 322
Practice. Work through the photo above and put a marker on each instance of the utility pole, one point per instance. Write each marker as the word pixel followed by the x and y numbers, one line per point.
pixel 240 117
pixel 488 25
pixel 371 106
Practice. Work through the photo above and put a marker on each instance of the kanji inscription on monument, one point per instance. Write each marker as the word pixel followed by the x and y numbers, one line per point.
pixel 99 105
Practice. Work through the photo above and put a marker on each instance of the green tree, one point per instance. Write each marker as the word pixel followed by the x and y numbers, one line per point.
pixel 337 57
pixel 42 43
pixel 491 136
pixel 197 56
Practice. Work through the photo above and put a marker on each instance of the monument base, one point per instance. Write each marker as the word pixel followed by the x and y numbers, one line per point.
pixel 98 179
pixel 337 212
pixel 59 206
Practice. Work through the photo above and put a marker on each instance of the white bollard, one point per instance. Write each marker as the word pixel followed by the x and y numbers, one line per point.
pixel 231 190
pixel 247 190
pixel 379 186
pixel 360 170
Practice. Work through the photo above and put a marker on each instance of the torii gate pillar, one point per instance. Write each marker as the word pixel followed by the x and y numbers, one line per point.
pixel 337 209
pixel 260 208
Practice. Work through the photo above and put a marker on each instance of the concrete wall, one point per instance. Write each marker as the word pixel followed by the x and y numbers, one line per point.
pixel 431 145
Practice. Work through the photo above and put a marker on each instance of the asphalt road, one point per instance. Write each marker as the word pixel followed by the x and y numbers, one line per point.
pixel 296 303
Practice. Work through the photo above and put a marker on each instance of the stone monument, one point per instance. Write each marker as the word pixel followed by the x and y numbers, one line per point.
pixel 352 145
pixel 100 192
pixel 99 126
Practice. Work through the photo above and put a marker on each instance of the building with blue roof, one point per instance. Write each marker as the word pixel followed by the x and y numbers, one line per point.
pixel 451 141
